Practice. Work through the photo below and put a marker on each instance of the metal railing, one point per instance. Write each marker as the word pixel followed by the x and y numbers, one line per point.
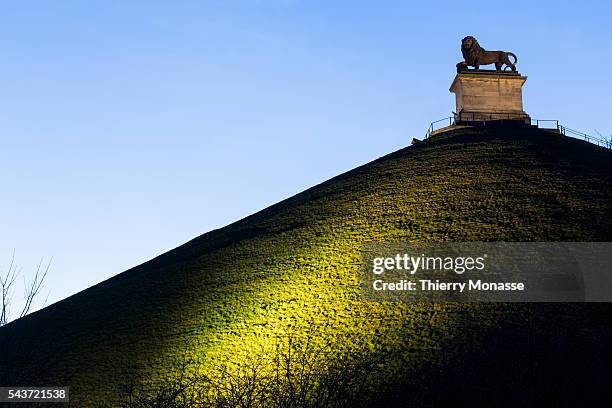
pixel 472 117
pixel 600 141
pixel 451 122
pixel 539 123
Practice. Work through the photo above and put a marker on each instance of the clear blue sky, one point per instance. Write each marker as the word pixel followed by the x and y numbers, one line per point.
pixel 128 128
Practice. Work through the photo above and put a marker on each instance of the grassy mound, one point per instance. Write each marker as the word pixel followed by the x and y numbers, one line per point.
pixel 242 290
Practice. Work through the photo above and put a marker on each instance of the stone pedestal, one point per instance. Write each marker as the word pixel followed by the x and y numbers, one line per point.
pixel 485 95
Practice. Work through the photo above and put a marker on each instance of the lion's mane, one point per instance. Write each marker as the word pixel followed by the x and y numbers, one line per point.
pixel 471 54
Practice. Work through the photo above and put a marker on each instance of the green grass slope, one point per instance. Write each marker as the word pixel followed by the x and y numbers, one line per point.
pixel 234 292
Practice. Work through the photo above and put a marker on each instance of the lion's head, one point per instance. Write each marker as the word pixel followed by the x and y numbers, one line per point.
pixel 468 42
pixel 470 49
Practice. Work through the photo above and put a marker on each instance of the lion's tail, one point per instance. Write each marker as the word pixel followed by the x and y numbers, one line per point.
pixel 514 56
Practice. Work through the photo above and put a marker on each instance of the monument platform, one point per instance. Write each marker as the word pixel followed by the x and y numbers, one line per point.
pixel 488 95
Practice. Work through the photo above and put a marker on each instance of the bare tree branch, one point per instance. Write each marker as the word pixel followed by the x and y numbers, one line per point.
pixel 6 282
pixel 31 289
pixel 34 287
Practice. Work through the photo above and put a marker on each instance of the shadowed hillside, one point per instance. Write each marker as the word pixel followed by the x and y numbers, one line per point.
pixel 241 290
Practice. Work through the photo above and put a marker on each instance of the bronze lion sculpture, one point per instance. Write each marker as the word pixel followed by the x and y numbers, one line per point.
pixel 475 56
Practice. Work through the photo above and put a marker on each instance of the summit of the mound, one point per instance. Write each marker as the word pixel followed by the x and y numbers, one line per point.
pixel 231 290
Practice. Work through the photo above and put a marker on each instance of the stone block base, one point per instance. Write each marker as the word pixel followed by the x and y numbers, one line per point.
pixel 483 95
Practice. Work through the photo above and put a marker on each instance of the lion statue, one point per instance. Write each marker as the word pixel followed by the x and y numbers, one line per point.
pixel 475 56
